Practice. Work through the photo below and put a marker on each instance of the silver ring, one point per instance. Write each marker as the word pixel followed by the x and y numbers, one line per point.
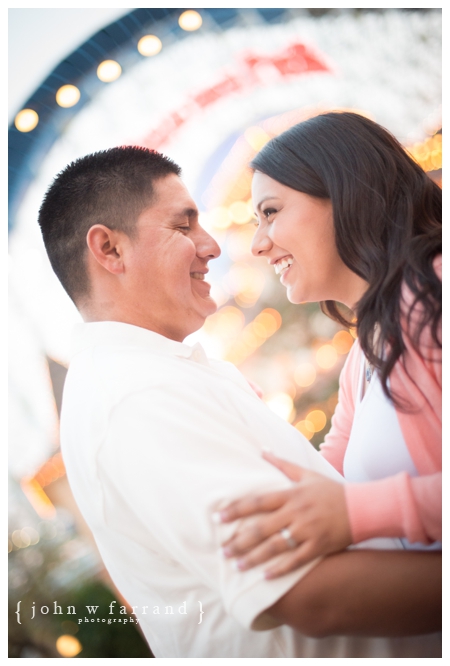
pixel 287 536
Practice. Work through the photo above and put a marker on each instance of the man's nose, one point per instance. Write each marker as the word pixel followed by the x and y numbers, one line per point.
pixel 207 247
pixel 261 242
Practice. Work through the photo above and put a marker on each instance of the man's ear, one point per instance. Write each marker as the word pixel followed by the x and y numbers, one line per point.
pixel 105 245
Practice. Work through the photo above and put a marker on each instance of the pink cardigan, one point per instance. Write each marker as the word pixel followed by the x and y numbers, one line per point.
pixel 400 505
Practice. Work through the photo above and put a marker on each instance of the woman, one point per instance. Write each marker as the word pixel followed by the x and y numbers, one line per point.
pixel 346 216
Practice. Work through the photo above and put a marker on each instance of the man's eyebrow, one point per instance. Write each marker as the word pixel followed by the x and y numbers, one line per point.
pixel 186 212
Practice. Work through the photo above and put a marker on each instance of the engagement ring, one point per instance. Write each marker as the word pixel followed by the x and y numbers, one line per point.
pixel 287 536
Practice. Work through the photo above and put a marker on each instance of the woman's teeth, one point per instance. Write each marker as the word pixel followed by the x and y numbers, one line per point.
pixel 198 276
pixel 282 265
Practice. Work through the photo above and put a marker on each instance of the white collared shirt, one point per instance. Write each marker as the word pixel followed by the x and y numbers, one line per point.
pixel 155 438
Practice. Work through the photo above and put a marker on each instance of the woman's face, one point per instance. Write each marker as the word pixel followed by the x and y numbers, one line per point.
pixel 296 235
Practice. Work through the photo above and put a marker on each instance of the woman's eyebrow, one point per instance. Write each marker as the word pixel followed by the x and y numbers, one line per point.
pixel 258 207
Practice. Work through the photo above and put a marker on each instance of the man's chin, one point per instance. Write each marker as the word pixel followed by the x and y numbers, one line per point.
pixel 209 308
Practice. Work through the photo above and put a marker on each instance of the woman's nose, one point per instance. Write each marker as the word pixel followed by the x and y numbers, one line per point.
pixel 261 242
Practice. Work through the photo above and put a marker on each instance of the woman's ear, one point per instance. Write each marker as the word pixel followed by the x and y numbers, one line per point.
pixel 105 245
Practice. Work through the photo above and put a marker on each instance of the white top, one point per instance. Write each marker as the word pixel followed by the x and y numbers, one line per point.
pixel 376 448
pixel 155 438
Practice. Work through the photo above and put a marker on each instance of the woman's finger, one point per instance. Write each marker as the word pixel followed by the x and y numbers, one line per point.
pixel 275 545
pixel 247 506
pixel 252 535
pixel 292 471
pixel 292 560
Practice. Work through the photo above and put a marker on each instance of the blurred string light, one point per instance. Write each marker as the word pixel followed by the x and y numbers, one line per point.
pixel 314 421
pixel 428 154
pixel 305 429
pixel 240 340
pixel 52 470
pixel 23 538
pixel 68 96
pixel 240 212
pixel 149 45
pixel 38 499
pixel 353 331
pixel 238 243
pixel 326 357
pixel 245 283
pixel 222 217
pixel 190 20
pixel 33 487
pixel 342 342
pixel 305 375
pixel 254 335
pixel 68 646
pixel 108 71
pixel 256 137
pixel 29 536
pixel 26 120
pixel 282 404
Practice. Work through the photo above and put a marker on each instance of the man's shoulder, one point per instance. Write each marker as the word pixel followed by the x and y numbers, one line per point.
pixel 109 373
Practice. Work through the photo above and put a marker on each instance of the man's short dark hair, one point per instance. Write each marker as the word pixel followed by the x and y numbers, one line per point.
pixel 110 187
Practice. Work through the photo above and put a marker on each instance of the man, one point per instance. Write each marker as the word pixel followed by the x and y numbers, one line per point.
pixel 157 438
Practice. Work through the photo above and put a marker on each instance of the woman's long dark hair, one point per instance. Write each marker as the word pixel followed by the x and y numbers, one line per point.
pixel 387 223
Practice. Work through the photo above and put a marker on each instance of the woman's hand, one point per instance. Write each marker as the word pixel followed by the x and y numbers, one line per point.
pixel 303 522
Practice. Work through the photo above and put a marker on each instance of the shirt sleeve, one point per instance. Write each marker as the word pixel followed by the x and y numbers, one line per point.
pixel 175 463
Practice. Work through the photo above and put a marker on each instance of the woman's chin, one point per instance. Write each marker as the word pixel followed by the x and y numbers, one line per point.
pixel 294 296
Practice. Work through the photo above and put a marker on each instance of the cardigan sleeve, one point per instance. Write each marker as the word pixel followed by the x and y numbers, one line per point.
pixel 335 442
pixel 399 506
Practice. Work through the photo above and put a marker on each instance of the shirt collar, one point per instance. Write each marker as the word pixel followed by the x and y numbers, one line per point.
pixel 105 333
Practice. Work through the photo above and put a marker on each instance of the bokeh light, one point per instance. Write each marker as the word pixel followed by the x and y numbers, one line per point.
pixel 342 342
pixel 428 153
pixel 68 96
pixel 245 283
pixel 190 20
pixel 68 646
pixel 220 218
pixel 317 418
pixel 238 243
pixel 282 404
pixel 240 212
pixel 149 45
pixel 108 71
pixel 305 374
pixel 305 428
pixel 26 120
pixel 326 357
pixel 256 137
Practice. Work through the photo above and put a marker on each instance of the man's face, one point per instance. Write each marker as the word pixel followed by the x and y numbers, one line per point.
pixel 166 263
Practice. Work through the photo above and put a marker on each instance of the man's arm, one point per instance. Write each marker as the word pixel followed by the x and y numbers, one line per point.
pixel 366 593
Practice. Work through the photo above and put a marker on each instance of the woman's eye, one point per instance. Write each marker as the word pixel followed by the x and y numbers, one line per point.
pixel 268 212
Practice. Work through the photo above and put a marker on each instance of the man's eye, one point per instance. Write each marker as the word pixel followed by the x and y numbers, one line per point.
pixel 185 228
